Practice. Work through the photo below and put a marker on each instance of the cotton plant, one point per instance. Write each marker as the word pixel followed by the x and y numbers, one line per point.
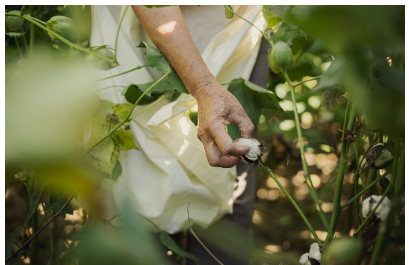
pixel 313 257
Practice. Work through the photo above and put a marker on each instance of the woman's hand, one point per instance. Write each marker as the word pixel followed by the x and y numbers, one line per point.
pixel 218 108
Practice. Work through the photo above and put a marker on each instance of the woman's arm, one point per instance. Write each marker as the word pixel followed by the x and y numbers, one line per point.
pixel 217 107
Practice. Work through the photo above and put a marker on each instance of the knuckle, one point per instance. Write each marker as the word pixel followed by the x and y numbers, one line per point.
pixel 213 163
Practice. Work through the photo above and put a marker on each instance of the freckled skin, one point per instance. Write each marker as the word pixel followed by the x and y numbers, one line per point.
pixel 217 106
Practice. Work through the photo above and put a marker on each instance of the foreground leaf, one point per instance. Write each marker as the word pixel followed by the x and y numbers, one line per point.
pixel 155 59
pixel 102 151
pixel 133 92
pixel 124 138
pixel 175 248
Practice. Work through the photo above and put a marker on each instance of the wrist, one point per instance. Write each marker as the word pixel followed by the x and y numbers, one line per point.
pixel 206 90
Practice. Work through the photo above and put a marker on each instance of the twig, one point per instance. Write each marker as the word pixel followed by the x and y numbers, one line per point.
pixel 268 170
pixel 308 80
pixel 117 32
pixel 302 153
pixel 198 239
pixel 44 226
pixel 133 69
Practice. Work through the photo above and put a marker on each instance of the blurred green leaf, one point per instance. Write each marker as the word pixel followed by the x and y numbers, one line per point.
pixel 171 245
pixel 271 18
pixel 103 166
pixel 102 151
pixel 281 11
pixel 228 13
pixel 117 171
pixel 124 137
pixel 10 245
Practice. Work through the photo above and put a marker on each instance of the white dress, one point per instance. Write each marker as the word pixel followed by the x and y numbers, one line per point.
pixel 171 167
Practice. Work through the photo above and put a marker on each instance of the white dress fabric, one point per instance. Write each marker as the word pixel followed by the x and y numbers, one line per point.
pixel 171 168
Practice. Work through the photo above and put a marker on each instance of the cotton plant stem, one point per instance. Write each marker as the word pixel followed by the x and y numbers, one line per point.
pixel 304 163
pixel 198 239
pixel 364 190
pixel 382 239
pixel 262 32
pixel 308 80
pixel 133 69
pixel 50 232
pixel 340 179
pixel 268 170
pixel 43 227
pixel 18 47
pixel 32 36
pixel 128 118
pixel 117 33
pixel 69 43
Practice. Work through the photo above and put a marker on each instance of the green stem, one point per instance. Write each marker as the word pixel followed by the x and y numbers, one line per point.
pixel 38 11
pixel 32 37
pixel 373 211
pixel 25 44
pixel 364 190
pixel 262 32
pixel 302 152
pixel 151 105
pixel 133 69
pixel 340 179
pixel 308 80
pixel 400 176
pixel 150 222
pixel 129 114
pixel 117 33
pixel 22 10
pixel 108 87
pixel 50 232
pixel 356 182
pixel 70 44
pixel 18 47
pixel 33 247
pixel 268 170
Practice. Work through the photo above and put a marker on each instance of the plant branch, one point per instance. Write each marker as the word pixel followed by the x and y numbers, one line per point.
pixel 117 33
pixel 18 47
pixel 340 177
pixel 43 227
pixel 364 190
pixel 373 211
pixel 304 163
pixel 70 44
pixel 133 69
pixel 198 239
pixel 308 80
pixel 268 170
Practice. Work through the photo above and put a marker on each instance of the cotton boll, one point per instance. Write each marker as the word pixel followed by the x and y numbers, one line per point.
pixel 255 152
pixel 315 252
pixel 370 203
pixel 304 259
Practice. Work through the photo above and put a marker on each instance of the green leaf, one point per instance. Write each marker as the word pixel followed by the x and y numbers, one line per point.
pixel 334 74
pixel 234 131
pixel 286 34
pixel 103 151
pixel 281 11
pixel 117 171
pixel 133 92
pixel 124 137
pixel 229 14
pixel 175 248
pixel 150 6
pixel 10 245
pixel 102 166
pixel 271 18
pixel 155 59
pixel 177 83
pixel 101 124
pixel 58 206
pixel 253 98
pixel 16 34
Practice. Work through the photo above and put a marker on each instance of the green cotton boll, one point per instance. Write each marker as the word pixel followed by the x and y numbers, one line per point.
pixel 100 63
pixel 14 24
pixel 272 63
pixel 63 26
pixel 343 251
pixel 281 55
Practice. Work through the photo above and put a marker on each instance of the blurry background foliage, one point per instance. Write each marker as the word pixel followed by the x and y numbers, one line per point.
pixel 358 50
